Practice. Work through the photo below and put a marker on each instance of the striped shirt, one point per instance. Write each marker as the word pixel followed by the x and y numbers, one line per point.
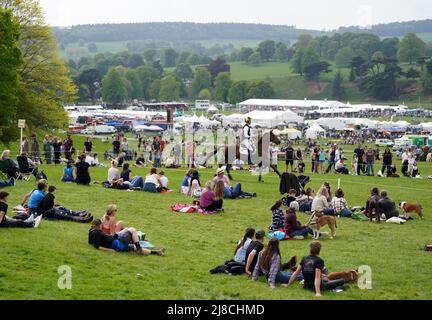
pixel 278 220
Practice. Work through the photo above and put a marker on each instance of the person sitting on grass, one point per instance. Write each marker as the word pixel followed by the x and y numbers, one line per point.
pixel 372 202
pixel 140 162
pixel 305 201
pixel 194 189
pixel 231 192
pixel 35 198
pixel 387 206
pixel 294 228
pixel 253 251
pixel 68 173
pixel 269 264
pixel 11 182
pixel 321 202
pixel 242 245
pixel 208 201
pixel 50 211
pixel 185 182
pixel 152 182
pixel 131 181
pixel 164 180
pixel 392 171
pixel 341 167
pixel 340 205
pixel 123 241
pixel 278 217
pixel 6 222
pixel 109 224
pixel 82 173
pixel 312 268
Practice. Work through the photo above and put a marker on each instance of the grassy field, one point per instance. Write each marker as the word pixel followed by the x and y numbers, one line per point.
pixel 197 243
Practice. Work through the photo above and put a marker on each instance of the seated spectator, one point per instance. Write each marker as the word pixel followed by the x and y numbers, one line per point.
pixel 305 201
pixel 242 245
pixel 320 202
pixel 185 182
pixel 294 228
pixel 124 241
pixel 6 222
pixel 8 166
pixel 152 182
pixel 35 198
pixel 194 188
pixel 90 160
pixel 301 166
pixel 208 200
pixel 164 180
pixel 269 264
pixel 238 164
pixel 68 173
pixel 253 252
pixel 341 167
pixel 7 183
pixel 121 159
pixel 50 211
pixel 278 217
pixel 27 165
pixel 140 161
pixel 231 192
pixel 340 205
pixel 109 224
pixel 82 174
pixel 312 267
pixel 372 202
pixel 129 180
pixel 387 206
pixel 292 196
pixel 392 171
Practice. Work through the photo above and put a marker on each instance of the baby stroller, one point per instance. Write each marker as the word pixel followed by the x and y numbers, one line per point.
pixel 291 181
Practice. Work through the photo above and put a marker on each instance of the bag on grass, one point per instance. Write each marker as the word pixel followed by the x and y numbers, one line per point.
pixel 357 215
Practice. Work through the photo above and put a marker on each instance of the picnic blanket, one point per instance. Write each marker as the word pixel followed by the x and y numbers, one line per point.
pixel 190 208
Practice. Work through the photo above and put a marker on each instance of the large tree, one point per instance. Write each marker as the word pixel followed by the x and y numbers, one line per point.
pixel 114 87
pixel 411 48
pixel 45 83
pixel 267 49
pixel 217 66
pixel 183 71
pixel 344 57
pixel 201 80
pixel 10 61
pixel 338 91
pixel 222 86
pixel 170 58
pixel 89 78
pixel 238 91
pixel 170 89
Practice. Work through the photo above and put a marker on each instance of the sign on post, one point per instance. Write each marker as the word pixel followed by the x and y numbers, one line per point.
pixel 21 123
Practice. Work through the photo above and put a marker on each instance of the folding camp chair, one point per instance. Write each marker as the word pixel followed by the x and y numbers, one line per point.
pixel 25 171
pixel 7 170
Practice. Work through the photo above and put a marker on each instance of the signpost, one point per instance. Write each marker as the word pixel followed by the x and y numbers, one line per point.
pixel 21 125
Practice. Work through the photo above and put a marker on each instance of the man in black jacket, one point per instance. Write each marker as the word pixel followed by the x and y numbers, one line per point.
pixel 387 206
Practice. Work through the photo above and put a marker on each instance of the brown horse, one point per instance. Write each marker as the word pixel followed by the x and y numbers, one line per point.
pixel 232 152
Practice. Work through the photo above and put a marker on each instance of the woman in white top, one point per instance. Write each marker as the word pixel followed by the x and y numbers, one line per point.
pixel 113 172
pixel 320 202
pixel 242 246
pixel 152 182
pixel 195 188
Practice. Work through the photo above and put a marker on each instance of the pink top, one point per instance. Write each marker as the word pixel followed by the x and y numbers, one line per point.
pixel 207 198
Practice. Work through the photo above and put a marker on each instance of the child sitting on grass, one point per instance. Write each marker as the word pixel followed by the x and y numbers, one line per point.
pixel 278 217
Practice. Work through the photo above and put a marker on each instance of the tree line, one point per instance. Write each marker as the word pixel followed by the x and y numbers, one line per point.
pixel 34 81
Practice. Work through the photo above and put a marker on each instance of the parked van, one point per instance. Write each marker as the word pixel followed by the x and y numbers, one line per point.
pixel 105 129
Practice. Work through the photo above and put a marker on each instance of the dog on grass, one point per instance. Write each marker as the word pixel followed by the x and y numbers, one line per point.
pixel 411 208
pixel 349 276
pixel 318 220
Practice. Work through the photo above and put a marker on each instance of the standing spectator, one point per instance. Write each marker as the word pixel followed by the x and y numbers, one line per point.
pixel 190 151
pixel 88 145
pixel 140 139
pixel 289 155
pixel 35 150
pixel 148 152
pixel 57 144
pixel 387 161
pixel 25 146
pixel 47 148
pixel 125 147
pixel 299 157
pixel 116 146
pixel 332 158
pixel 177 149
pixel 68 145
pixel 321 159
pixel 370 161
pixel 156 149
pixel 360 153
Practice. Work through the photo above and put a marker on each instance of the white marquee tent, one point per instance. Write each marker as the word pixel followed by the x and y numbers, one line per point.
pixel 315 131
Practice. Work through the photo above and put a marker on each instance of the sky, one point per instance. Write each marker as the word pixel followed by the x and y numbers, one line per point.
pixel 309 14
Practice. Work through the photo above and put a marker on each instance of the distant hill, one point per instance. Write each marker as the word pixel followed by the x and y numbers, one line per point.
pixel 186 31
pixel 176 31
pixel 395 29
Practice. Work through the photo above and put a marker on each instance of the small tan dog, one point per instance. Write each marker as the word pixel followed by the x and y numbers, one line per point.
pixel 412 207
pixel 319 220
pixel 349 276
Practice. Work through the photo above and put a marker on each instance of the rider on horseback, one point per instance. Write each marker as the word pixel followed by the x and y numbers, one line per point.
pixel 247 143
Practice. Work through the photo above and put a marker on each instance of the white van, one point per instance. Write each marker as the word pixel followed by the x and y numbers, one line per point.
pixel 105 129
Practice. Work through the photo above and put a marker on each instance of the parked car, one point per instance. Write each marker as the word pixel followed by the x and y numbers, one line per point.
pixel 384 143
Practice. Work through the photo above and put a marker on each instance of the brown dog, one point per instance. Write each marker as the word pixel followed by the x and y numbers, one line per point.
pixel 349 276
pixel 319 220
pixel 412 207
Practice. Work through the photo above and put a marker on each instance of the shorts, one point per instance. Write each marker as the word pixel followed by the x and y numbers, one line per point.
pixel 291 162
pixel 121 244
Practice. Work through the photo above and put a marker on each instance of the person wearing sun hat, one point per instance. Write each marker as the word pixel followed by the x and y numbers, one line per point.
pixel 247 138
pixel 230 192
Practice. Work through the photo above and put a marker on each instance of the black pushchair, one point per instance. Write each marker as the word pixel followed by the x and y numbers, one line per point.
pixel 291 181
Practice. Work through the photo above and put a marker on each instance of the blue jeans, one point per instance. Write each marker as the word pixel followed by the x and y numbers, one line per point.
pixel 306 207
pixel 284 277
pixel 68 179
pixel 8 183
pixel 370 167
pixel 233 193
pixel 137 182
pixel 328 212
pixel 302 232
pixel 346 213
pixel 150 187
